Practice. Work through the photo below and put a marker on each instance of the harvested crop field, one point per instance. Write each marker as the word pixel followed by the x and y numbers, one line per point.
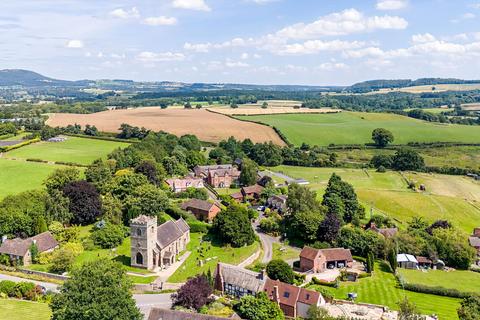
pixel 471 106
pixel 206 125
pixel 252 110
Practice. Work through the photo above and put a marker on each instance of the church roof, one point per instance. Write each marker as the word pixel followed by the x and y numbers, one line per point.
pixel 170 231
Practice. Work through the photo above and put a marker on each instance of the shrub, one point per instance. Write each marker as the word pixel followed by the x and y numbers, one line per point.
pixel 198 226
pixel 324 283
pixel 7 287
pixel 280 270
pixel 109 236
pixel 22 288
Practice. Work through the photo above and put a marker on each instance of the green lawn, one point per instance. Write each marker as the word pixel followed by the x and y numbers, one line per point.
pixel 462 280
pixel 357 127
pixel 74 149
pixel 24 310
pixel 19 176
pixel 206 249
pixel 447 197
pixel 288 253
pixel 382 289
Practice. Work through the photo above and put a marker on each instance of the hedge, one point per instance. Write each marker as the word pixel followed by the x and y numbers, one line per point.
pixel 437 290
pixel 198 226
pixel 332 284
pixel 16 146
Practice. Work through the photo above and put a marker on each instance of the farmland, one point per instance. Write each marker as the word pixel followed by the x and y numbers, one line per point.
pixel 207 126
pixel 428 88
pixel 77 150
pixel 453 198
pixel 357 127
pixel 19 176
pixel 381 288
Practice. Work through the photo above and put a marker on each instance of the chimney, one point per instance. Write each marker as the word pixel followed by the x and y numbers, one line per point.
pixel 476 232
pixel 4 238
pixel 276 297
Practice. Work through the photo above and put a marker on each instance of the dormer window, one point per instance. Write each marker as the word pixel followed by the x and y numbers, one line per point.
pixel 286 294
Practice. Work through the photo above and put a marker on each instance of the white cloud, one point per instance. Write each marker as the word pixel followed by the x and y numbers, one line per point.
pixel 244 56
pixel 121 13
pixel 160 21
pixel 148 56
pixel 198 47
pixel 118 56
pixel 236 64
pixel 75 44
pixel 315 46
pixel 475 5
pixel 468 15
pixel 199 5
pixel 346 22
pixel 391 4
pixel 421 38
pixel 328 66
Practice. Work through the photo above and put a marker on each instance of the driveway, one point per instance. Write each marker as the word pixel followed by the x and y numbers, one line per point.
pixel 47 285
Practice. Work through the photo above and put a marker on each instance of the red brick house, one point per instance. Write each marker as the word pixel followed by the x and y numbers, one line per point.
pixel 203 210
pixel 294 301
pixel 318 260
pixel 251 192
pixel 180 185
pixel 218 176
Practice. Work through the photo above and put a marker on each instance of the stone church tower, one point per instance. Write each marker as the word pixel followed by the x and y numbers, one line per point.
pixel 143 233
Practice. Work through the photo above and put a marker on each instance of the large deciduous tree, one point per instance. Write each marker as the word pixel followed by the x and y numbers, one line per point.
pixel 280 270
pixel 258 308
pixel 408 159
pixel 248 175
pixel 469 308
pixel 84 202
pixel 99 290
pixel 382 137
pixel 329 228
pixel 233 226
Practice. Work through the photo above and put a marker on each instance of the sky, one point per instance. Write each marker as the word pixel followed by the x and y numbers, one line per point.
pixel 307 42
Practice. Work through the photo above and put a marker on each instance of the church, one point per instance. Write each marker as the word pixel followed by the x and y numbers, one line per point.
pixel 156 247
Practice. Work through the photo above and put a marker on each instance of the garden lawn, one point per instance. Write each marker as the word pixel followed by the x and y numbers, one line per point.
pixel 447 197
pixel 18 176
pixel 461 280
pixel 356 128
pixel 203 249
pixel 382 289
pixel 289 253
pixel 24 310
pixel 76 150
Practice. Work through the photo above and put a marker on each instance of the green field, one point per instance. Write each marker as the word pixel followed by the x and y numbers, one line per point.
pixel 77 150
pixel 357 127
pixel 458 156
pixel 454 198
pixel 24 310
pixel 465 281
pixel 211 250
pixel 19 176
pixel 382 289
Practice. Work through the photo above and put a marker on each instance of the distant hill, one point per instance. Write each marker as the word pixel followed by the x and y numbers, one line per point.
pixel 370 85
pixel 26 78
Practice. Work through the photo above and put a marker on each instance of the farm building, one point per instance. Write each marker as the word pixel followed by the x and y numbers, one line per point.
pixel 218 176
pixel 19 249
pixel 203 210
pixel 155 246
pixel 318 260
pixel 182 184
pixel 407 261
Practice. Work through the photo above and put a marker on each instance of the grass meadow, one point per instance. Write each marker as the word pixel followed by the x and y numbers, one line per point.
pixel 19 176
pixel 381 288
pixel 357 127
pixel 25 310
pixel 77 150
pixel 454 198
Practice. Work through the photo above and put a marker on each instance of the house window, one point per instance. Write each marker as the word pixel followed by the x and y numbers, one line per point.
pixel 139 232
pixel 139 258
pixel 286 294
pixel 308 296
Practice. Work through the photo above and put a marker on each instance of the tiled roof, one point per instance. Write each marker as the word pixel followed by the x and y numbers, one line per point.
pixel 237 195
pixel 19 247
pixel 309 253
pixel 224 172
pixel 199 170
pixel 289 294
pixel 182 225
pixel 169 231
pixel 185 183
pixel 243 278
pixel 421 259
pixel 252 189
pixel 165 314
pixel 197 204
pixel 336 254
pixel 474 241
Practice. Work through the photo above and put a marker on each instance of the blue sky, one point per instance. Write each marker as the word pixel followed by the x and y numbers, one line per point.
pixel 318 42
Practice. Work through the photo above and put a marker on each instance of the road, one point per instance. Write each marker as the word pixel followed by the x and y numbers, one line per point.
pixel 47 285
pixel 266 240
pixel 144 301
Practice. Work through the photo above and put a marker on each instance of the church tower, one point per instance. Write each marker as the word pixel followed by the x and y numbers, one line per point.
pixel 143 234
